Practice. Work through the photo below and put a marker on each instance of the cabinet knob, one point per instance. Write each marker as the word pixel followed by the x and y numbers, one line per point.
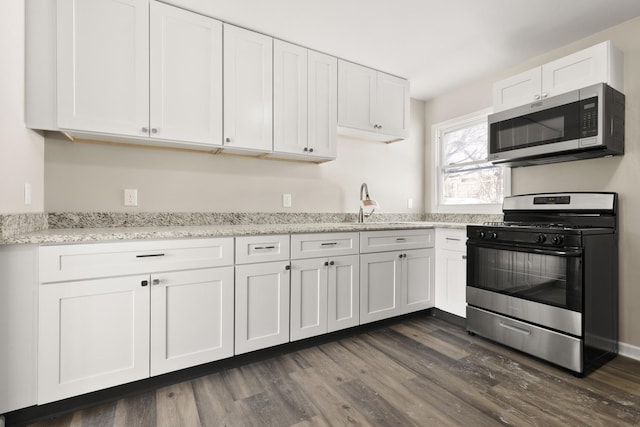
pixel 464 257
pixel 155 282
pixel 145 130
pixel 326 263
pixel 544 94
pixel 144 283
pixel 227 140
pixel 154 130
pixel 332 263
pixel 536 97
pixel 379 126
pixel 287 267
pixel 311 150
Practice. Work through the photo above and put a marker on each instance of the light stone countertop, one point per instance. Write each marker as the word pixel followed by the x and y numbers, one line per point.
pixel 87 235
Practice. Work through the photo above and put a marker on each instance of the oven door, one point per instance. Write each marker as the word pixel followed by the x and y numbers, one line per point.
pixel 546 276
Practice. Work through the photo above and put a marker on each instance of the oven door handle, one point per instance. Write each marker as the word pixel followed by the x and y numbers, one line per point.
pixel 517 248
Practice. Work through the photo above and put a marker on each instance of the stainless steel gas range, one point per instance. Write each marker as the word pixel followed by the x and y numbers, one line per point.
pixel 545 281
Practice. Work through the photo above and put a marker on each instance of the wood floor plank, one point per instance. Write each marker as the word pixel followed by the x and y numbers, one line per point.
pixel 421 371
pixel 176 406
pixel 136 411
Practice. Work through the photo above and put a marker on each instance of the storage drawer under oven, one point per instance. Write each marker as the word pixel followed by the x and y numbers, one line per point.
pixel 552 346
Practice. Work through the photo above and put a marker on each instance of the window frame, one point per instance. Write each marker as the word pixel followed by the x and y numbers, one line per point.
pixel 436 167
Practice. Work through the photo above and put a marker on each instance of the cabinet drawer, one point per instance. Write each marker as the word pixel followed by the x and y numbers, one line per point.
pixel 323 244
pixel 85 261
pixel 451 239
pixel 252 249
pixel 394 240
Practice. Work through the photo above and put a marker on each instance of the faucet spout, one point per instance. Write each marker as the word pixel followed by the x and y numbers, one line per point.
pixel 365 201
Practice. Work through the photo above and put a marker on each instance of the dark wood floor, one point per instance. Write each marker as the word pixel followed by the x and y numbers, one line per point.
pixel 420 372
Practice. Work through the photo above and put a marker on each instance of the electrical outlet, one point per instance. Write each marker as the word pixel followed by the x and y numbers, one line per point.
pixel 286 200
pixel 409 203
pixel 130 197
pixel 27 193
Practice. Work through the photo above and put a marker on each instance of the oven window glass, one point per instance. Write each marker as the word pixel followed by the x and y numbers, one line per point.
pixel 544 278
pixel 556 124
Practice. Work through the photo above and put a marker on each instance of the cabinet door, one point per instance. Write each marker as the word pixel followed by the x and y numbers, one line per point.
pixel 262 306
pixel 356 96
pixel 323 104
pixel 308 298
pixel 289 98
pixel 92 335
pixel 418 280
pixel 517 90
pixel 186 76
pixel 248 89
pixel 380 286
pixel 191 318
pixel 102 68
pixel 575 71
pixel 452 282
pixel 392 112
pixel 343 302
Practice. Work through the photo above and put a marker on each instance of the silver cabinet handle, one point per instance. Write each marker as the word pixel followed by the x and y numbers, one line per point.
pixel 453 238
pixel 536 97
pixel 155 282
pixel 544 94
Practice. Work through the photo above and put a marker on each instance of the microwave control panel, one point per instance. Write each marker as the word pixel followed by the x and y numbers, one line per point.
pixel 589 117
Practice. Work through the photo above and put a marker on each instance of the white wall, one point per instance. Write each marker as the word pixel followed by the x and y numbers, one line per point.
pixel 619 174
pixel 89 177
pixel 21 150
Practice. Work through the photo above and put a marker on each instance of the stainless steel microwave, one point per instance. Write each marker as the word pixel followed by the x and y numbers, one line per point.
pixel 580 124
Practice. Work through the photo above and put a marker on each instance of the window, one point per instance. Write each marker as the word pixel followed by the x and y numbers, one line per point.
pixel 464 181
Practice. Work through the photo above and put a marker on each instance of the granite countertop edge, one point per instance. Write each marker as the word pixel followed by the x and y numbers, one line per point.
pixel 88 235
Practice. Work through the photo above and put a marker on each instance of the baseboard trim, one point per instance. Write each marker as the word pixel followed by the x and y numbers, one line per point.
pixel 449 317
pixel 628 350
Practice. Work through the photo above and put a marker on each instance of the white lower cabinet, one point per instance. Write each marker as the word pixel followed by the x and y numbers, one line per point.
pixel 395 282
pixel 262 305
pixel 93 334
pixel 324 295
pixel 325 283
pixel 451 271
pixel 97 332
pixel 191 318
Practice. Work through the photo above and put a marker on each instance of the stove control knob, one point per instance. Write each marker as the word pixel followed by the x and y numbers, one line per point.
pixel 482 234
pixel 557 240
pixel 541 238
pixel 494 235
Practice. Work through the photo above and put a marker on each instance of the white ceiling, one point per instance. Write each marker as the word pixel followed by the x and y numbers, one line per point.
pixel 438 44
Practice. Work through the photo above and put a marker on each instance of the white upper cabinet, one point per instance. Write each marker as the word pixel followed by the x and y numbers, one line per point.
pixel 248 90
pixel 372 101
pixel 305 103
pixel 596 64
pixel 290 97
pixel 124 70
pixel 186 76
pixel 103 68
pixel 322 105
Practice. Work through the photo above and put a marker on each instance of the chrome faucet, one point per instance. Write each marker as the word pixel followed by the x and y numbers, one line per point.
pixel 365 201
